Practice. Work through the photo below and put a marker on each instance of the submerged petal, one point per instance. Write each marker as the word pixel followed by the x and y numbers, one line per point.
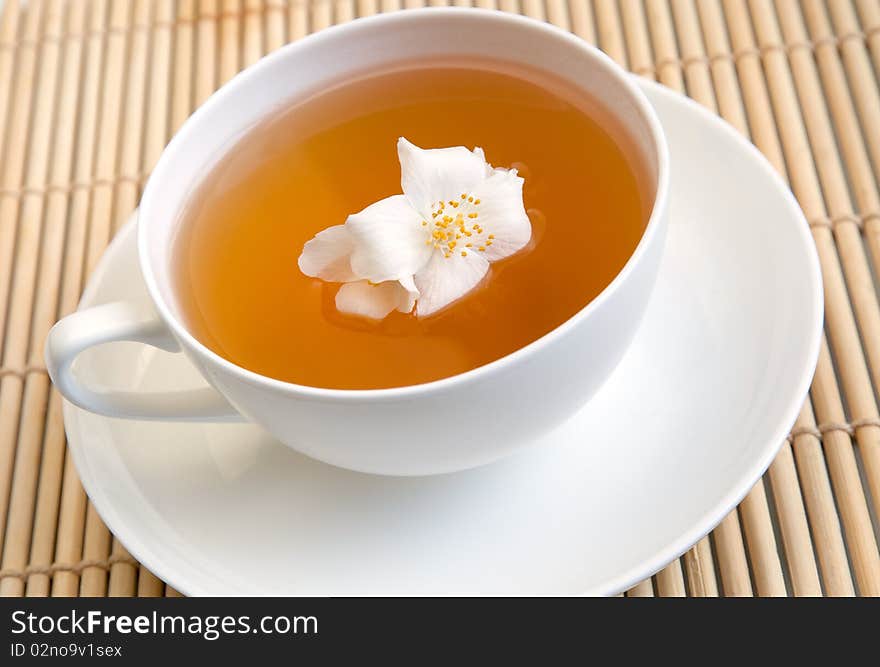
pixel 432 175
pixel 446 279
pixel 327 255
pixel 389 240
pixel 412 294
pixel 503 215
pixel 375 301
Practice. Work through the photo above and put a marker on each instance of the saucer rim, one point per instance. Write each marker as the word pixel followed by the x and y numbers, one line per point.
pixel 708 520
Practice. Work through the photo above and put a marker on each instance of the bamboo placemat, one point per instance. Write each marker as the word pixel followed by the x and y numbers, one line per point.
pixel 91 90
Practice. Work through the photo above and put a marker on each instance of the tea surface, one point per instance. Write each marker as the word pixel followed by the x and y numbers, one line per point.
pixel 310 166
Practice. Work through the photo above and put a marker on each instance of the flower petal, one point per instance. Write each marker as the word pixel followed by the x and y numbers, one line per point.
pixel 326 256
pixel 374 301
pixel 408 300
pixel 503 215
pixel 389 240
pixel 446 279
pixel 429 176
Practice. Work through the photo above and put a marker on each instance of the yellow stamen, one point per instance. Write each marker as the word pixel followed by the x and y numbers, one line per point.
pixel 470 199
pixel 477 202
pixel 464 196
pixel 472 215
pixel 481 249
pixel 463 253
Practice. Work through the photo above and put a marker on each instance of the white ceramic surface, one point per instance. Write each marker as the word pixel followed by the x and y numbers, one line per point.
pixel 526 394
pixel 687 423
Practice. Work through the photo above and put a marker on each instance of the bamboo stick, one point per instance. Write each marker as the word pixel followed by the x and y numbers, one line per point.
pixel 230 40
pixel 693 53
pixel 134 115
pixel 12 175
pixel 793 526
pixel 644 589
pixel 72 510
pixel 609 31
pixel 728 99
pixel 485 4
pixel 321 15
pixel 699 567
pixel 367 7
pixel 863 81
pixel 638 42
pixel 835 186
pixel 462 3
pixel 206 50
pixel 557 14
pixel 298 20
pixel 98 541
pixel 869 16
pixel 275 24
pixel 665 49
pixel 755 93
pixel 184 65
pixel 816 487
pixel 9 16
pixel 533 9
pixel 806 186
pixel 253 32
pixel 108 138
pixel 504 5
pixel 582 21
pixel 732 563
pixel 19 465
pixel 761 542
pixel 159 99
pixel 670 581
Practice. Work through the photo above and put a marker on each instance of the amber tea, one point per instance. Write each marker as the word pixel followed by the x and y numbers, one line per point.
pixel 312 165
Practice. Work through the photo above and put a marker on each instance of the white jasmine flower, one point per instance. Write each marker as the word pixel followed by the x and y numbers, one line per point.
pixel 429 246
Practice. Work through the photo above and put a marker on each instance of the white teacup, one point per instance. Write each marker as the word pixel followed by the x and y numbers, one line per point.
pixel 450 424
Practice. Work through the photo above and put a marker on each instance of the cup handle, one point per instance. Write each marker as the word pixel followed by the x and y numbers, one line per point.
pixel 121 321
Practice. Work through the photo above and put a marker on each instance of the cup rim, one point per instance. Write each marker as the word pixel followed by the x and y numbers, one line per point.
pixel 652 227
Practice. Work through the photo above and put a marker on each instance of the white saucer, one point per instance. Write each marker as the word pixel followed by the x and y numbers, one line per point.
pixel 689 421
